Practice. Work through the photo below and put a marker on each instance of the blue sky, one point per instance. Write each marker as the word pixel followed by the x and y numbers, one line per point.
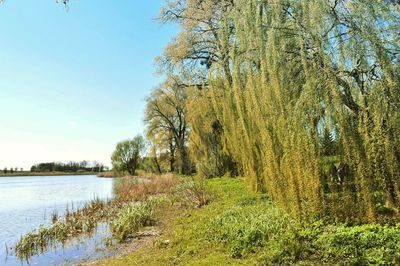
pixel 73 84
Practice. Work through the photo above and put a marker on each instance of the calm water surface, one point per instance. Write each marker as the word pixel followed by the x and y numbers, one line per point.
pixel 28 202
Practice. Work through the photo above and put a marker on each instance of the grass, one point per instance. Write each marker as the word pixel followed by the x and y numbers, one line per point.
pixel 75 223
pixel 217 222
pixel 132 217
pixel 242 228
pixel 107 174
pixel 126 214
pixel 140 188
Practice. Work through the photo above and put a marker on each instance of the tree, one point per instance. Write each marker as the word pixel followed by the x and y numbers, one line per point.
pixel 206 146
pixel 165 119
pixel 203 41
pixel 126 156
pixel 295 68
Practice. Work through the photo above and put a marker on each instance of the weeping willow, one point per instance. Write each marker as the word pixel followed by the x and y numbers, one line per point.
pixel 312 112
pixel 206 147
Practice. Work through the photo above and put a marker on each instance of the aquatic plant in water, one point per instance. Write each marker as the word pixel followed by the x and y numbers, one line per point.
pixel 73 224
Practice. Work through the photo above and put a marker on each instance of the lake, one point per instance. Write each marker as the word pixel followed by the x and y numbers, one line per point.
pixel 28 202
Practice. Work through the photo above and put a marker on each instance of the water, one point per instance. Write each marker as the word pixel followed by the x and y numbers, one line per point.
pixel 28 202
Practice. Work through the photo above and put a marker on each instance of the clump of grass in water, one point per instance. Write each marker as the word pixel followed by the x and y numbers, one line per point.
pixel 124 216
pixel 125 220
pixel 82 221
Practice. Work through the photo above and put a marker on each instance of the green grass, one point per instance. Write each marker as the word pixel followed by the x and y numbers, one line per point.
pixel 242 228
pixel 74 223
pixel 125 219
pixel 132 217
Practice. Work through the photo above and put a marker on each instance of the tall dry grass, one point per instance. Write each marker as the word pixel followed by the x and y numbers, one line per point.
pixel 140 188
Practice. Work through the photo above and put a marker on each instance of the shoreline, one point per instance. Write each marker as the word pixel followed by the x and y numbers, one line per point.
pixel 22 174
pixel 219 234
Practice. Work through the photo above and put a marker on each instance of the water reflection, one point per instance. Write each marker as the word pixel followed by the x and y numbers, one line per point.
pixel 28 202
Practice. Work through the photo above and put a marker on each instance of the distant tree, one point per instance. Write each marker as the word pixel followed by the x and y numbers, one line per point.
pixel 21 169
pixel 126 156
pixel 5 170
pixel 166 122
pixel 11 170
pixel 70 166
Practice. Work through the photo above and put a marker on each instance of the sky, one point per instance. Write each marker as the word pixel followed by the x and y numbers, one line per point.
pixel 73 84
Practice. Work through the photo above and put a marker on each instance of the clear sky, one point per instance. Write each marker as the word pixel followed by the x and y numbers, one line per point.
pixel 73 84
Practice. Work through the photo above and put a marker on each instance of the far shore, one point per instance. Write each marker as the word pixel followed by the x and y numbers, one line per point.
pixel 109 174
pixel 28 173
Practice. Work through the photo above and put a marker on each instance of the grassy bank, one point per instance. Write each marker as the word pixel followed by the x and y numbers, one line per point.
pixel 131 209
pixel 242 228
pixel 28 173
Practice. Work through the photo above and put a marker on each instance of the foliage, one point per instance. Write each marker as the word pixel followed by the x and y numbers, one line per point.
pixel 167 125
pixel 354 245
pixel 126 156
pixel 68 167
pixel 289 83
pixel 206 138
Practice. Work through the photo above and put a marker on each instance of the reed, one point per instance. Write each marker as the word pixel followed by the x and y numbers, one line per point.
pixel 132 208
pixel 73 224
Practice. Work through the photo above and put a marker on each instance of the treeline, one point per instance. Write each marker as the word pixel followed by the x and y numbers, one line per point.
pixel 83 166
pixel 12 170
pixel 300 97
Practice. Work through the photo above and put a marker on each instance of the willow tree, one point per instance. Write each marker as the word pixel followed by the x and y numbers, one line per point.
pixel 207 136
pixel 165 118
pixel 290 74
pixel 305 67
pixel 201 43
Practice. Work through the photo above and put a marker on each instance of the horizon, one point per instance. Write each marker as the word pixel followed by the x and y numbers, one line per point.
pixel 74 82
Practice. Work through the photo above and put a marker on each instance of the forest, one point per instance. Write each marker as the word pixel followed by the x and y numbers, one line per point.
pixel 302 98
